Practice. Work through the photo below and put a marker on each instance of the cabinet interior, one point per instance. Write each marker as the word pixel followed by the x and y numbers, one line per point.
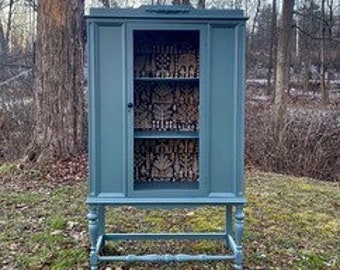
pixel 166 109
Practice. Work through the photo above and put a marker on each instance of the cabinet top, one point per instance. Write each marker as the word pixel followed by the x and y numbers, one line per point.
pixel 179 12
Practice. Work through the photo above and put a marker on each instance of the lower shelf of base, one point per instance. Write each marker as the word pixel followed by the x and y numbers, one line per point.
pixel 186 185
pixel 165 258
pixel 212 200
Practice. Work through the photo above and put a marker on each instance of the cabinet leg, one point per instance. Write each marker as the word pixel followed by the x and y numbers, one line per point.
pixel 93 230
pixel 101 222
pixel 239 224
pixel 229 223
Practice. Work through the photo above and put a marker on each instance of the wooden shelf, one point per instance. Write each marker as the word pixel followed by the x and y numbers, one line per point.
pixel 140 185
pixel 166 135
pixel 156 79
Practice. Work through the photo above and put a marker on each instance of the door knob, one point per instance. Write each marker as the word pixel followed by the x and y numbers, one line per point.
pixel 130 105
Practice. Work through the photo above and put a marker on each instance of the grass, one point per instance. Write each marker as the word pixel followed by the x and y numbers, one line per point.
pixel 6 168
pixel 291 223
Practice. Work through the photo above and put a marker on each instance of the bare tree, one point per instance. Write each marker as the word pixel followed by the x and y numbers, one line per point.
pixel 181 2
pixel 272 49
pixel 2 40
pixel 283 65
pixel 109 3
pixel 201 4
pixel 9 23
pixel 33 4
pixel 251 55
pixel 307 45
pixel 324 90
pixel 59 90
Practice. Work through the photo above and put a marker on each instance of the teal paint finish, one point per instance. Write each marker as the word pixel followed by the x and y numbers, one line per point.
pixel 240 100
pixel 111 125
pixel 107 110
pixel 222 110
pixel 166 258
pixel 92 149
pixel 168 12
pixel 174 201
pixel 169 191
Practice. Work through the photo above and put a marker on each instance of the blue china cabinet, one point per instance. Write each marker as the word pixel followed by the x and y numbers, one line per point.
pixel 166 115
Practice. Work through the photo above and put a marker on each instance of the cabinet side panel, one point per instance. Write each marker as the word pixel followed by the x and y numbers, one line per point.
pixel 222 114
pixel 91 85
pixel 110 107
pixel 240 141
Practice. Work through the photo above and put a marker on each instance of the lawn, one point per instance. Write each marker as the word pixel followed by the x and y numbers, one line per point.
pixel 291 223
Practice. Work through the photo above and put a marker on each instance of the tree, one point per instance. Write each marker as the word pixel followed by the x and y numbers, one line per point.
pixel 324 90
pixel 2 40
pixel 180 2
pixel 272 49
pixel 9 21
pixel 282 66
pixel 251 36
pixel 59 81
pixel 201 4
pixel 308 27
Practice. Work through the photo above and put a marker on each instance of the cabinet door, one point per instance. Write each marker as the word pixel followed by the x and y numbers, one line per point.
pixel 106 109
pixel 166 110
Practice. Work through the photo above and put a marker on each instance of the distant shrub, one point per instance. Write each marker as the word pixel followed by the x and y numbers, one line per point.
pixel 15 131
pixel 16 107
pixel 310 146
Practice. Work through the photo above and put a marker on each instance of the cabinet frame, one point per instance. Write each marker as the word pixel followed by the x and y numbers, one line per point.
pixel 111 129
pixel 203 134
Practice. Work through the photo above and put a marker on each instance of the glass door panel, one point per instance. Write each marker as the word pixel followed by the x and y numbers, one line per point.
pixel 166 109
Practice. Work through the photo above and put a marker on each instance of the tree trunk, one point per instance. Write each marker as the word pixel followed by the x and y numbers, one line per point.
pixel 324 90
pixel 282 68
pixel 251 36
pixel 181 2
pixel 106 3
pixel 59 82
pixel 307 47
pixel 2 42
pixel 201 4
pixel 252 33
pixel 272 49
pixel 9 24
pixel 306 75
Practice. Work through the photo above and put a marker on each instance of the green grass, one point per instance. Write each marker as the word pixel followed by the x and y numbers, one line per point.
pixel 291 223
pixel 6 168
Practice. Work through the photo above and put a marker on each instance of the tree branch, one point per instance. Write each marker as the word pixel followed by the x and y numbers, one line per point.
pixel 315 37
pixel 15 77
pixel 33 4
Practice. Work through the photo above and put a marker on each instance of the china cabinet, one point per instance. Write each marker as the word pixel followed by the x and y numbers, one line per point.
pixel 166 90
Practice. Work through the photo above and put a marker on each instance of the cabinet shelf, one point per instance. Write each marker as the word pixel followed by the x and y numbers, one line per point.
pixel 166 94
pixel 156 79
pixel 166 135
pixel 140 185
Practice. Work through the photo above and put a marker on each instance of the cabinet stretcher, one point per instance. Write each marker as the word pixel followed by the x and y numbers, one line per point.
pixel 232 237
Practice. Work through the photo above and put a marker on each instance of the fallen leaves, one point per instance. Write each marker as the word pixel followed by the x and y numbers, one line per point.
pixel 291 223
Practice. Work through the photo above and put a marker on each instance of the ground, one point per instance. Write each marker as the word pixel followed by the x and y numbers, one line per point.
pixel 291 223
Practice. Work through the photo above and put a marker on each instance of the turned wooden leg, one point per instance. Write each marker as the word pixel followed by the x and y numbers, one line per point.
pixel 93 230
pixel 229 223
pixel 101 222
pixel 239 217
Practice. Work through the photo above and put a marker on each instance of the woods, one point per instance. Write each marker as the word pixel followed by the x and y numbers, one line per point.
pixel 282 68
pixel 59 117
pixel 292 66
pixel 292 129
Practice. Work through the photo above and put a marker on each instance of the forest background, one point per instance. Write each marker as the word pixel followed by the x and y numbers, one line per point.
pixel 292 86
pixel 292 128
